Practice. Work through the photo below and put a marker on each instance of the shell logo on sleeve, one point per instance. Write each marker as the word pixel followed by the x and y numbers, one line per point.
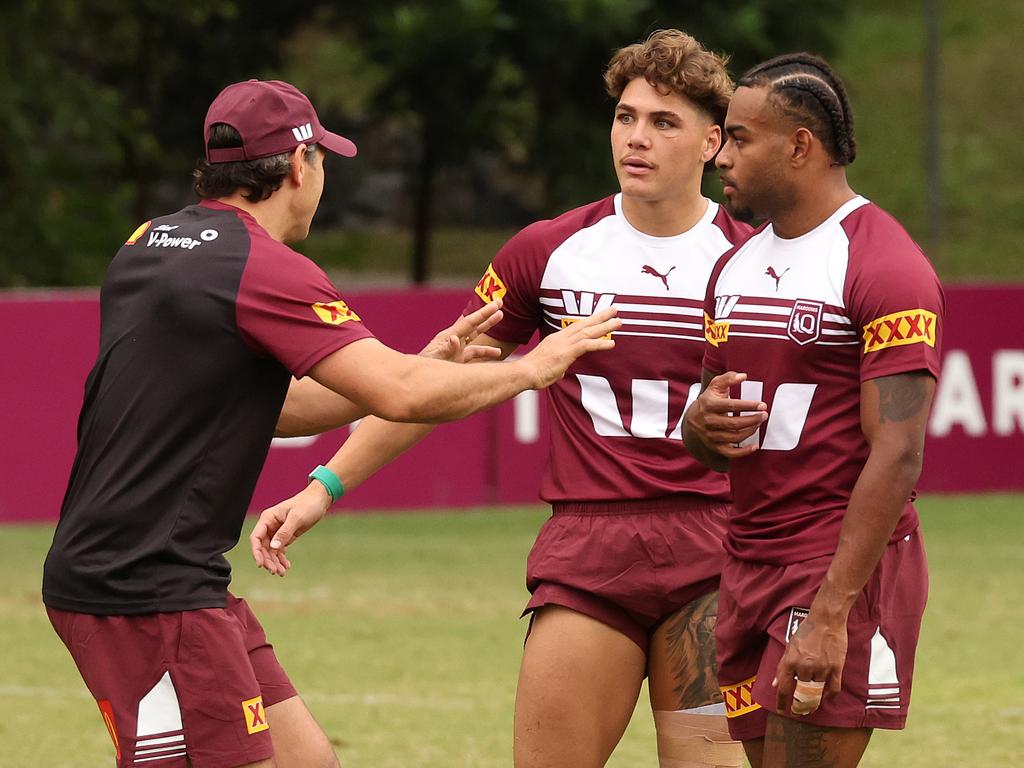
pixel 334 313
pixel 911 326
pixel 490 286
pixel 715 333
pixel 138 233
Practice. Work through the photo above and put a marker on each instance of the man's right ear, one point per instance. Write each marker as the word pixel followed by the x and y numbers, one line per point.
pixel 297 170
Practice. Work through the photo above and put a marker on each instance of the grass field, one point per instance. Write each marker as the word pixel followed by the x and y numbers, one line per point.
pixel 401 632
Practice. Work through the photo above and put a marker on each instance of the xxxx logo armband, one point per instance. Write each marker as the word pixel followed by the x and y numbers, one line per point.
pixel 715 333
pixel 490 286
pixel 739 698
pixel 911 326
pixel 334 313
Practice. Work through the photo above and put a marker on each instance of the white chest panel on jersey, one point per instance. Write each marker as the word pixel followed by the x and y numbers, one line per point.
pixel 658 285
pixel 613 263
pixel 792 289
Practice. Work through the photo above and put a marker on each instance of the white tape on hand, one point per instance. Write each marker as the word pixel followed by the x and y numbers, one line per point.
pixel 807 696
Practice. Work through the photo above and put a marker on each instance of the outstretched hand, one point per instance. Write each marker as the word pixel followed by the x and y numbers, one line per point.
pixel 550 359
pixel 721 422
pixel 454 343
pixel 282 523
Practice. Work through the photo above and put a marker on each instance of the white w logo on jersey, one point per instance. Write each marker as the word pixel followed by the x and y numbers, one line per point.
pixel 303 132
pixel 585 303
pixel 724 305
pixel 650 408
pixel 787 415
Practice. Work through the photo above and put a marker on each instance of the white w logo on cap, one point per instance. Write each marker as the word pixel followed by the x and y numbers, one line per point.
pixel 303 132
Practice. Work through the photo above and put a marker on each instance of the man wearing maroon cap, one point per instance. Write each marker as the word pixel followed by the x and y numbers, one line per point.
pixel 208 321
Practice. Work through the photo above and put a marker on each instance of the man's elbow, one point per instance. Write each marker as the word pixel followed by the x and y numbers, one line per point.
pixel 400 403
pixel 904 461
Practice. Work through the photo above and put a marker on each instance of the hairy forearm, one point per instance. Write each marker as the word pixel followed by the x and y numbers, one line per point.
pixel 374 443
pixel 434 391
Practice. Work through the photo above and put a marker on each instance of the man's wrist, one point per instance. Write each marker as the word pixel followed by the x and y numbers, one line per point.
pixel 330 482
pixel 524 375
pixel 833 602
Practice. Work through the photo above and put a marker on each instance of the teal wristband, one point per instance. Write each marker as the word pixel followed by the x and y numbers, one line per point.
pixel 329 480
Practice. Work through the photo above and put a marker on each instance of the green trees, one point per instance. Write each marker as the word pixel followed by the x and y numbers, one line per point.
pixel 101 103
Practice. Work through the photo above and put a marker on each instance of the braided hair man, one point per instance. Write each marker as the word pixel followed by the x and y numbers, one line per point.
pixel 824 331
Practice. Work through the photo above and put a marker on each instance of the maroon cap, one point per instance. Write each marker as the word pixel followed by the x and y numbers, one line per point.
pixel 272 117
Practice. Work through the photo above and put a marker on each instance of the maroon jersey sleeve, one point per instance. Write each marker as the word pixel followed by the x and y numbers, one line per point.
pixel 893 297
pixel 514 277
pixel 289 309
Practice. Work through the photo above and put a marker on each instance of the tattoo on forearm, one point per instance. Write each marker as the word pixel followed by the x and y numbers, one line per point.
pixel 690 635
pixel 900 397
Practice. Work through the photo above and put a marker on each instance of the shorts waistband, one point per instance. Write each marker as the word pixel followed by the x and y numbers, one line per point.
pixel 683 502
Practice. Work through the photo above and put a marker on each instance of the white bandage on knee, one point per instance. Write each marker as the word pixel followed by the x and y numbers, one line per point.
pixel 696 738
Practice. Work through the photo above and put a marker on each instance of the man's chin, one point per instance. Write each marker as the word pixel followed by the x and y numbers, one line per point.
pixel 738 212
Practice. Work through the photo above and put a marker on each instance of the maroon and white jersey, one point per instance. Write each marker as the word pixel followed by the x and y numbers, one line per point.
pixel 809 319
pixel 616 429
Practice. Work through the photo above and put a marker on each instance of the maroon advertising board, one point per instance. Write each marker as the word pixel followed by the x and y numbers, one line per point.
pixel 49 341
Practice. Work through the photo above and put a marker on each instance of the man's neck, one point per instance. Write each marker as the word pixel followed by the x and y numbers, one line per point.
pixel 664 218
pixel 268 213
pixel 814 205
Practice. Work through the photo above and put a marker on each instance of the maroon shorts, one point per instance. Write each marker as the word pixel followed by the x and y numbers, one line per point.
pixel 182 685
pixel 629 564
pixel 760 606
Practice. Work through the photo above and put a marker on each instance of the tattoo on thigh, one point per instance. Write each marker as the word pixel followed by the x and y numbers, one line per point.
pixel 690 635
pixel 900 397
pixel 804 745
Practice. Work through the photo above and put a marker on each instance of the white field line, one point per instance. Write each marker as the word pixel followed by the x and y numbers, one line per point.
pixel 366 699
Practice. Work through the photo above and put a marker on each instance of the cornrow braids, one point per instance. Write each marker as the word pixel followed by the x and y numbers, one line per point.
pixel 807 90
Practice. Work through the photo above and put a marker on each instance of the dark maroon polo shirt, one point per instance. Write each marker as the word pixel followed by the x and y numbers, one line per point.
pixel 204 319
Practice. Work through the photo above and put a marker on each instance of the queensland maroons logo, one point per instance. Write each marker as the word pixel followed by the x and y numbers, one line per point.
pixel 805 321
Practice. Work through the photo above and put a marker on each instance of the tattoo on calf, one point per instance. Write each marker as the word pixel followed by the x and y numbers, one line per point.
pixel 900 397
pixel 690 634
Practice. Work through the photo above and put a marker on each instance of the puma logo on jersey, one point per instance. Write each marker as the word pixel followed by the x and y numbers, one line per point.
pixel 770 272
pixel 649 270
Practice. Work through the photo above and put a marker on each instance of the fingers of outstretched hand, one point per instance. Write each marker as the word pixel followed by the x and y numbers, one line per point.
pixel 594 325
pixel 480 352
pixel 470 326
